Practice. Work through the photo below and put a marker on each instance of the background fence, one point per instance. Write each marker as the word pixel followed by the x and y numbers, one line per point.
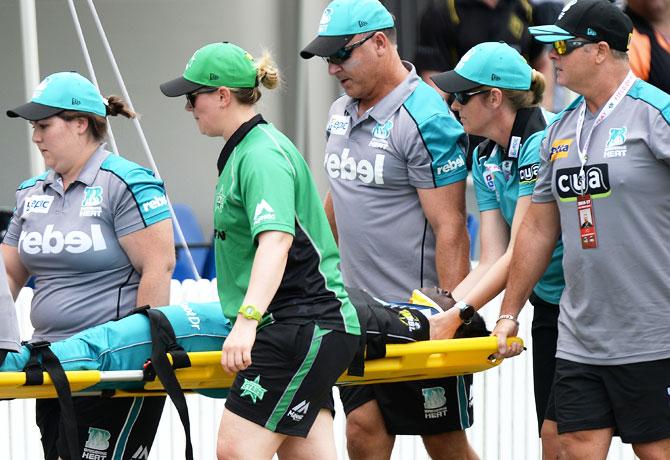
pixel 504 427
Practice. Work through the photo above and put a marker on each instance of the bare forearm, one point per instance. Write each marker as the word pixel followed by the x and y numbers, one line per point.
pixel 452 259
pixel 490 285
pixel 330 214
pixel 154 287
pixel 268 270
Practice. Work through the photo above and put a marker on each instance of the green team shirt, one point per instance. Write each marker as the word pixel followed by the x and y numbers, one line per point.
pixel 502 177
pixel 264 184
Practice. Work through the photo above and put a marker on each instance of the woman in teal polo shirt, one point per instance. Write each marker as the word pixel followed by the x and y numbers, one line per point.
pixel 295 330
pixel 496 94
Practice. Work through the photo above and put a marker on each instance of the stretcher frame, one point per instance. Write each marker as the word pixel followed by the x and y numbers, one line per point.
pixel 403 362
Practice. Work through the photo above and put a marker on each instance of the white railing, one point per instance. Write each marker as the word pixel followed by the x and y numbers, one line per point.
pixel 504 427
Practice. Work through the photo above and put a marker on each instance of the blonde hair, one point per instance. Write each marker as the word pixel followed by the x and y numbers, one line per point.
pixel 267 75
pixel 529 98
pixel 97 125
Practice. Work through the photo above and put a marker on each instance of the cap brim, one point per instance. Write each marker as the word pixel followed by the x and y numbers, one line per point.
pixel 549 33
pixel 451 82
pixel 33 111
pixel 325 46
pixel 179 86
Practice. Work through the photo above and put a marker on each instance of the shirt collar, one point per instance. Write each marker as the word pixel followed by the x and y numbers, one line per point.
pixel 88 173
pixel 390 103
pixel 236 138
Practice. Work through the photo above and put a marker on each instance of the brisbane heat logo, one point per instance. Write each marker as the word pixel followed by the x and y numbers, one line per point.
pixel 594 181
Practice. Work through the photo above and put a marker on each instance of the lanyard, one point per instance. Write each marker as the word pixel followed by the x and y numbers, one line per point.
pixel 609 107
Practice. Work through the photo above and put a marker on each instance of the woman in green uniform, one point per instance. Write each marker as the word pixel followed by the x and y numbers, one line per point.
pixel 496 94
pixel 295 331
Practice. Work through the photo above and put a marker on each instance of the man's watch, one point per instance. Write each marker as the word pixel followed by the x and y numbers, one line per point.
pixel 250 312
pixel 466 312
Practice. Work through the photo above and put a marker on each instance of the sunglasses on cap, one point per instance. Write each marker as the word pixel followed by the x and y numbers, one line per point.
pixel 564 47
pixel 191 97
pixel 344 53
pixel 463 98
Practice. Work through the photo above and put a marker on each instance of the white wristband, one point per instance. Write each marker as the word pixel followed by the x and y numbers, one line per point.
pixel 510 317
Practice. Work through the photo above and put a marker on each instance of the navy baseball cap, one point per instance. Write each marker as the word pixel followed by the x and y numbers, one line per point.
pixel 493 64
pixel 59 92
pixel 341 20
pixel 595 20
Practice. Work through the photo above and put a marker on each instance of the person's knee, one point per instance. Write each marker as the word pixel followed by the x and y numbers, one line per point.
pixel 657 450
pixel 366 432
pixel 449 445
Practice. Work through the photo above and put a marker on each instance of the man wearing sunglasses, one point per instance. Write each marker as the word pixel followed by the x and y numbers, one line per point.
pixel 605 157
pixel 395 159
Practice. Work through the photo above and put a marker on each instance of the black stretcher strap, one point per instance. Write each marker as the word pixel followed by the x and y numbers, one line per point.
pixel 34 376
pixel 164 341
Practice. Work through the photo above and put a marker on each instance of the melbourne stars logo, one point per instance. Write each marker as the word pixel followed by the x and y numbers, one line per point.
pixel 253 389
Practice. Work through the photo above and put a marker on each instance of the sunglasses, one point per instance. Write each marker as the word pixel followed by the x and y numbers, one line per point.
pixel 463 97
pixel 191 97
pixel 564 47
pixel 343 54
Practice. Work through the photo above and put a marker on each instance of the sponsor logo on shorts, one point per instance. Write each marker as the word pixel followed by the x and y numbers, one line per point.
pixel 528 174
pixel 97 444
pixel 559 149
pixel 452 165
pixel 253 389
pixel 569 182
pixel 155 203
pixel 142 452
pixel 298 411
pixel 409 320
pixel 346 168
pixel 434 402
pixel 615 146
pixel 37 204
pixel 90 205
pixel 263 212
pixel 55 242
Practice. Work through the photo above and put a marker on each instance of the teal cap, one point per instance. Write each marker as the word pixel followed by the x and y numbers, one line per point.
pixel 58 92
pixel 214 65
pixel 341 20
pixel 494 64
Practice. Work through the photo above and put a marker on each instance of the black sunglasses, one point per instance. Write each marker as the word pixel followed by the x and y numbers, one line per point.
pixel 344 53
pixel 463 98
pixel 564 47
pixel 191 97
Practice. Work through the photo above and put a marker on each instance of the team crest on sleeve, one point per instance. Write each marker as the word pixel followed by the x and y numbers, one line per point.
pixel 263 212
pixel 615 146
pixel 560 149
pixel 37 204
pixel 91 205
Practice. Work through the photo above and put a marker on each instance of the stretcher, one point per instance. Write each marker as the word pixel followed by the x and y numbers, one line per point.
pixel 403 362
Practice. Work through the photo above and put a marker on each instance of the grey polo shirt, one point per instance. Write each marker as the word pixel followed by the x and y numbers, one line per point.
pixel 70 241
pixel 375 164
pixel 615 308
pixel 9 326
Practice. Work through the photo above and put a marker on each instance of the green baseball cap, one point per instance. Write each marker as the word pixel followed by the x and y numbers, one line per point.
pixel 214 65
pixel 59 92
pixel 341 20
pixel 493 64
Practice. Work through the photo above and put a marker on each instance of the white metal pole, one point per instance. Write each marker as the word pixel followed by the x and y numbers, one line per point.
pixel 140 133
pixel 89 65
pixel 31 71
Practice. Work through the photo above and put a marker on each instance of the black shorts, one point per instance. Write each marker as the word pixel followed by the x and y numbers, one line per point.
pixel 421 407
pixel 293 370
pixel 634 399
pixel 545 334
pixel 108 428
